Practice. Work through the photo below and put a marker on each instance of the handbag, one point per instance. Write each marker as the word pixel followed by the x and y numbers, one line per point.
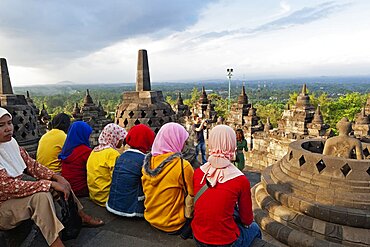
pixel 189 200
pixel 70 218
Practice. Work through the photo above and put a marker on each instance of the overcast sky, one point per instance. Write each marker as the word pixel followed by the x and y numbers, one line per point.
pixel 94 41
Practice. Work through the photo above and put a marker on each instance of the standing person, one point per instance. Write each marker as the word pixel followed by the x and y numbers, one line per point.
pixel 126 196
pixel 166 177
pixel 241 144
pixel 200 144
pixel 21 200
pixel 101 162
pixel 227 190
pixel 74 155
pixel 51 143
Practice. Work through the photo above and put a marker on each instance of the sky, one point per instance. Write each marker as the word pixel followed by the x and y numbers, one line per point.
pixel 94 41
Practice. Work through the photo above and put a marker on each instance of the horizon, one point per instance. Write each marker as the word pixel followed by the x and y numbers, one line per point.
pixel 48 42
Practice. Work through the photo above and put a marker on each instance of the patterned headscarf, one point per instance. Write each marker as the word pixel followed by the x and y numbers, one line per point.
pixel 170 139
pixel 78 134
pixel 140 137
pixel 110 137
pixel 222 146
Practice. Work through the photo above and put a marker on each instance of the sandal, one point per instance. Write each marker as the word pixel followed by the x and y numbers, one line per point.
pixel 89 221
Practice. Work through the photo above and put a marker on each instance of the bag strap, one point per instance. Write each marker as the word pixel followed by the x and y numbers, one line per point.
pixel 200 192
pixel 183 177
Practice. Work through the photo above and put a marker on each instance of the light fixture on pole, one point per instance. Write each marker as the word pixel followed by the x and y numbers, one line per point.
pixel 229 75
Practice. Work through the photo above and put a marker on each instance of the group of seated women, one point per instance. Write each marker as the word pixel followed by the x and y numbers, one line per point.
pixel 150 179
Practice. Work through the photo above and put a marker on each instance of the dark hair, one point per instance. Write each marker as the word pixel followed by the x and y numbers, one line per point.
pixel 240 131
pixel 61 121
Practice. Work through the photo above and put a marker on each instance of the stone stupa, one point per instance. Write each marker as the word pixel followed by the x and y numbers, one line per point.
pixel 143 106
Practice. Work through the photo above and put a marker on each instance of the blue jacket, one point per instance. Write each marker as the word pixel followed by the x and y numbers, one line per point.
pixel 126 197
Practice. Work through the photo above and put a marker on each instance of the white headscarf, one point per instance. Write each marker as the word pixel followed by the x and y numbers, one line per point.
pixel 10 156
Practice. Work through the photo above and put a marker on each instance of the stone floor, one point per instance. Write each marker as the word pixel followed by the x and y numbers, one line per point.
pixel 120 231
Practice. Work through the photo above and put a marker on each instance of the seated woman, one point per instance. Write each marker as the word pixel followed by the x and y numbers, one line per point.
pixel 101 162
pixel 226 190
pixel 126 196
pixel 74 155
pixel 51 143
pixel 21 200
pixel 165 175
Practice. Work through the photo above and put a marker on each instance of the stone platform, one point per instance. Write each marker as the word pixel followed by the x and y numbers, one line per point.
pixel 120 231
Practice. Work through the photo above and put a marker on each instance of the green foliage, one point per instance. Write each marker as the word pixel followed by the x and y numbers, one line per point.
pixel 348 105
pixel 273 110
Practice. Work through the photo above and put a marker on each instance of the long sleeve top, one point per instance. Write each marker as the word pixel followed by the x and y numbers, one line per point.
pixel 213 221
pixel 15 187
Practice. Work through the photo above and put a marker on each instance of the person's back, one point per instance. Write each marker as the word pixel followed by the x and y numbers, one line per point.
pixel 74 155
pixel 101 162
pixel 213 221
pixel 222 206
pixel 51 143
pixel 126 196
pixel 164 180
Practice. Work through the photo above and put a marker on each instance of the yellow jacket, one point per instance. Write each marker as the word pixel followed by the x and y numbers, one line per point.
pixel 50 145
pixel 164 192
pixel 100 167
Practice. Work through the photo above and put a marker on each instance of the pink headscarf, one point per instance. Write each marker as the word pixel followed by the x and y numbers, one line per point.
pixel 170 139
pixel 222 146
pixel 110 136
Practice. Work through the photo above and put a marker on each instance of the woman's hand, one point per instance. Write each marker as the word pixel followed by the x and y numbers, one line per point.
pixel 61 188
pixel 61 180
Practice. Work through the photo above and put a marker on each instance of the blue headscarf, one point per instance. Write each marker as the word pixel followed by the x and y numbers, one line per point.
pixel 78 134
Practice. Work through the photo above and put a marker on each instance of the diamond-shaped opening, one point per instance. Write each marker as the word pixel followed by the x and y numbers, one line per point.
pixel 150 122
pixel 368 171
pixel 161 121
pixel 154 113
pixel 30 119
pixel 33 133
pixel 302 161
pixel 16 127
pixel 137 122
pixel 125 122
pixel 164 112
pixel 291 155
pixel 131 114
pixel 346 169
pixel 320 166
pixel 24 112
pixel 121 114
pixel 156 130
pixel 24 134
pixel 366 152
pixel 21 119
pixel 14 113
pixel 27 126
pixel 143 114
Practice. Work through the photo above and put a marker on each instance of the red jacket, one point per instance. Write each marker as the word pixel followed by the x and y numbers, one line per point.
pixel 213 221
pixel 74 170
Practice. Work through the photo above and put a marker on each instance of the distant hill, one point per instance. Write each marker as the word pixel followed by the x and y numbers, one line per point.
pixel 330 85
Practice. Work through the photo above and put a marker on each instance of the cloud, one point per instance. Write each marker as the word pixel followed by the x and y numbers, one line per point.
pixel 36 32
pixel 299 17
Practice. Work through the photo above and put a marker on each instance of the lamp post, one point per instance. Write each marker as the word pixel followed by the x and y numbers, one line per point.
pixel 229 75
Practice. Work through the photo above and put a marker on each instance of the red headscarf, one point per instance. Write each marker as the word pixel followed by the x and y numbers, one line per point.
pixel 140 137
